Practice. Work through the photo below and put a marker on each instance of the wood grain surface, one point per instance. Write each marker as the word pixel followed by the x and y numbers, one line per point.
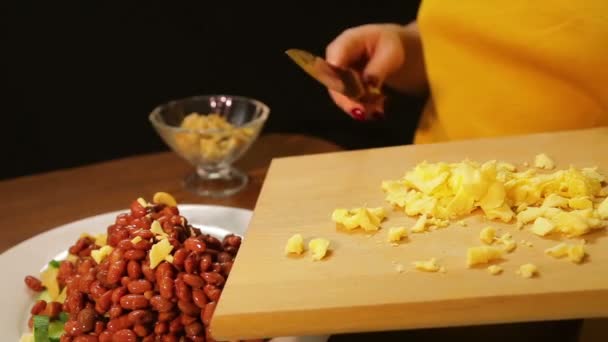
pixel 357 288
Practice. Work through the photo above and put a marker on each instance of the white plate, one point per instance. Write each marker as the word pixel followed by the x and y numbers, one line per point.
pixel 30 256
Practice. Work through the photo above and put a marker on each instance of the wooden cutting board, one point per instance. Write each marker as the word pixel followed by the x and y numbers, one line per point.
pixel 357 288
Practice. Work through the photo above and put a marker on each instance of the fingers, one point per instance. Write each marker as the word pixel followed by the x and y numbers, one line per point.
pixel 387 57
pixel 359 111
pixel 349 47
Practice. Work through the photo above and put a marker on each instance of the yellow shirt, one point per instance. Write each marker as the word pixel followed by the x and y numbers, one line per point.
pixel 506 67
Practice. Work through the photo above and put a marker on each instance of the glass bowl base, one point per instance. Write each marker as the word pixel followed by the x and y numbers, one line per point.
pixel 216 183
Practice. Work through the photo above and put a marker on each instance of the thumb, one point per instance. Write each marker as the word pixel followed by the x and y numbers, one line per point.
pixel 388 56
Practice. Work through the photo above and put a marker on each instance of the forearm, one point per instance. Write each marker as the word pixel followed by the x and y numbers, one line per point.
pixel 412 77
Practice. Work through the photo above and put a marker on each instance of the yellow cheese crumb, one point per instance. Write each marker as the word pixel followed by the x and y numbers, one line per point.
pixel 542 226
pixel 101 240
pixel 399 268
pixel 295 244
pixel 318 247
pixel 395 234
pixel 487 235
pixel 142 202
pixel 507 241
pixel 164 198
pixel 420 225
pixel 576 253
pixel 428 266
pixel 136 240
pixel 99 254
pixel 157 229
pixel 482 255
pixel 368 219
pixel 494 269
pixel 542 161
pixel 528 270
pixel 462 223
pixel 159 252
pixel 602 209
pixel 582 202
pixel 169 258
pixel 558 250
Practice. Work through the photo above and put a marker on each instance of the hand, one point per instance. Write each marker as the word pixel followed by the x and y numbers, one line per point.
pixel 379 51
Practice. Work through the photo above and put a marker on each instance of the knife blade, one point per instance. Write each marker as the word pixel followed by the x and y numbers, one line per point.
pixel 342 80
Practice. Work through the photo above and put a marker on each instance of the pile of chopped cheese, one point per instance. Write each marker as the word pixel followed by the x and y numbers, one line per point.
pixel 571 201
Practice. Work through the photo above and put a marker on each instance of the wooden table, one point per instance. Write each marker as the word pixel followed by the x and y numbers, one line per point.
pixel 44 201
pixel 40 202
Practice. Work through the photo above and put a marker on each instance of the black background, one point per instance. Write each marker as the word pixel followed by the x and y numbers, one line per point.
pixel 81 77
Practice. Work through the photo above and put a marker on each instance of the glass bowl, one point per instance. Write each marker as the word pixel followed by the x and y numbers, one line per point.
pixel 211 132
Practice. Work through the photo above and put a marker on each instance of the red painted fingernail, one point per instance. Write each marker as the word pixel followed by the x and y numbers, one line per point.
pixel 358 114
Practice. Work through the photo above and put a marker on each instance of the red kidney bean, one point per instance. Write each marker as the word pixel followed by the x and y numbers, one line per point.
pixel 169 338
pixel 232 250
pixel 212 242
pixel 161 304
pixel 137 210
pixel 188 308
pixel 134 270
pixel 187 319
pixel 87 251
pixel 104 302
pixel 179 257
pixel 194 329
pixel 119 323
pixel 226 268
pixel 176 220
pixel 105 336
pixel 213 278
pixel 141 223
pixel 52 309
pixel 143 245
pixel 191 263
pixel 34 283
pixel 135 254
pixel 145 234
pixel 175 326
pixel 165 287
pixel 118 293
pixel 224 257
pixel 116 270
pixel 139 286
pixel 85 266
pixel 72 327
pixel 74 302
pixel 124 335
pixel 166 316
pixel 205 264
pixel 115 237
pixel 96 289
pixel 207 313
pixel 66 269
pixel 100 326
pixel 115 311
pixel 38 307
pixel 149 294
pixel 133 302
pixel 182 291
pixel 141 330
pixel 232 240
pixel 86 317
pixel 122 219
pixel 195 245
pixel 216 267
pixel 161 328
pixel 164 269
pixel 124 281
pixel 212 292
pixel 199 298
pixel 149 273
pixel 141 317
pixel 85 338
pixel 125 244
pixel 200 338
pixel 194 281
pixel 81 244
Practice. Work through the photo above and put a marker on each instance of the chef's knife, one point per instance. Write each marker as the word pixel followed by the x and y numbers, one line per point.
pixel 342 80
